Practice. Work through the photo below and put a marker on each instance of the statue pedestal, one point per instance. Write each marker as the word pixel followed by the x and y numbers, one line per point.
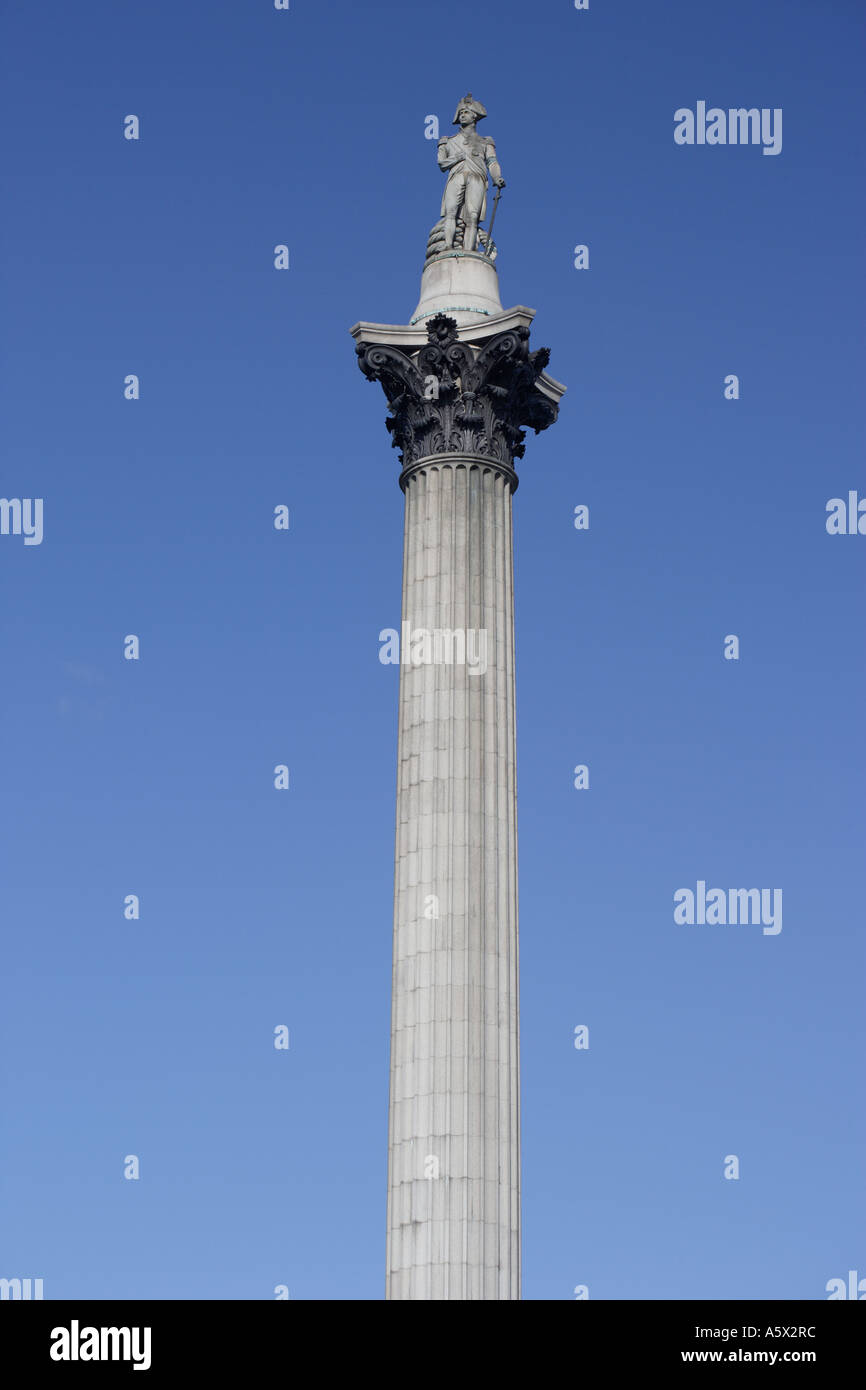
pixel 462 284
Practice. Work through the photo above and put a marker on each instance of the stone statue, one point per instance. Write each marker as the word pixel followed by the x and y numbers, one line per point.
pixel 466 157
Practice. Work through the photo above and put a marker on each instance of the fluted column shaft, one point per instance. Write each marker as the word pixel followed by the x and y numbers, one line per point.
pixel 454 1133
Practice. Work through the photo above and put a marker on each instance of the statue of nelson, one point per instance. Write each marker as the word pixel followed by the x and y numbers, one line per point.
pixel 467 157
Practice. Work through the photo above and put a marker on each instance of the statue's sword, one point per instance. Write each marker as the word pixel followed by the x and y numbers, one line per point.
pixel 492 220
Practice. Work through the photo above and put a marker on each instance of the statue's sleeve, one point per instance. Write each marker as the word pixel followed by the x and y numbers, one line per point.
pixel 446 159
pixel 491 160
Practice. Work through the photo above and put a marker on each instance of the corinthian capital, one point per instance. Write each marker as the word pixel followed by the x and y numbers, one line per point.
pixel 449 396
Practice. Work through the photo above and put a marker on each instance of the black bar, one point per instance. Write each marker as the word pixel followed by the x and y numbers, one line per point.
pixel 307 1340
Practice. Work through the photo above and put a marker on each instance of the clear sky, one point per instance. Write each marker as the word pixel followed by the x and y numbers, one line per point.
pixel 154 1037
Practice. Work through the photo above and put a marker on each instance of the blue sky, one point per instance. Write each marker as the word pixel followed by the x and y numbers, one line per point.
pixel 707 517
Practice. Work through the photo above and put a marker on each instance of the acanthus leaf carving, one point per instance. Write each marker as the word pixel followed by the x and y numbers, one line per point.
pixel 449 396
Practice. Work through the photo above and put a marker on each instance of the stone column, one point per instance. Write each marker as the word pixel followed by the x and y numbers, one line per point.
pixel 454 1152
pixel 457 407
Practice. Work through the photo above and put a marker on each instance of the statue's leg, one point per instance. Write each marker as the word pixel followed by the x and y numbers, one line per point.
pixel 471 211
pixel 454 190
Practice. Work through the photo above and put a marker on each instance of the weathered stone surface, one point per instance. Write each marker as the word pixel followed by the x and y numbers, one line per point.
pixel 462 285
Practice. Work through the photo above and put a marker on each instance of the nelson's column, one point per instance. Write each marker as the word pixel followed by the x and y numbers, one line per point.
pixel 461 385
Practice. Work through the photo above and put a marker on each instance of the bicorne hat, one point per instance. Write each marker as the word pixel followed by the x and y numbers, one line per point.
pixel 469 100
